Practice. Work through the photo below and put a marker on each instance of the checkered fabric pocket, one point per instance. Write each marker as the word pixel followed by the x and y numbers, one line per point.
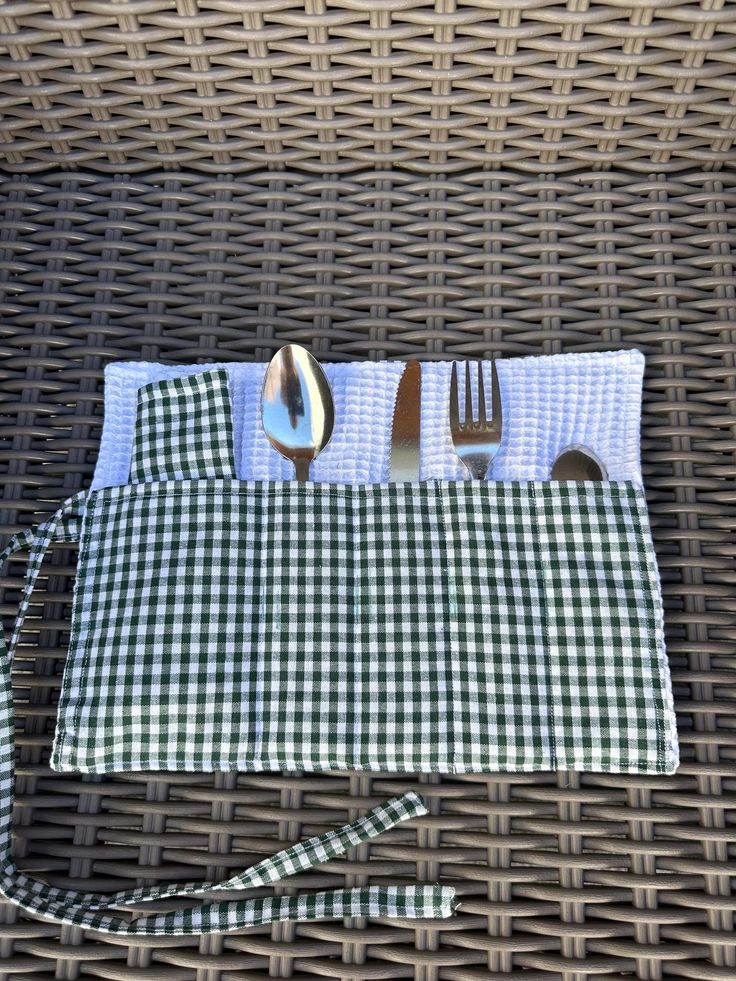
pixel 184 429
pixel 448 626
pixel 451 627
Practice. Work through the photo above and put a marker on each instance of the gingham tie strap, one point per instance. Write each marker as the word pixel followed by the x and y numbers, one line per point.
pixel 85 909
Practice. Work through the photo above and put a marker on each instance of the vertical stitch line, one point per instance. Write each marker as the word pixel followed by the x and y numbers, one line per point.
pixel 543 579
pixel 450 594
pixel 655 620
pixel 59 749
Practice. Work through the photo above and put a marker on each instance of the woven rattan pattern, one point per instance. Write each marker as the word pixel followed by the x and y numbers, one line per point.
pixel 220 85
pixel 562 876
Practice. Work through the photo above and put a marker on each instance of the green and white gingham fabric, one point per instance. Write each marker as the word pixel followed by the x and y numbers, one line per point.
pixel 447 626
pixel 184 429
pixel 452 627
pixel 86 909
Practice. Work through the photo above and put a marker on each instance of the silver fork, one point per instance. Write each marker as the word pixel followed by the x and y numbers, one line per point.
pixel 476 441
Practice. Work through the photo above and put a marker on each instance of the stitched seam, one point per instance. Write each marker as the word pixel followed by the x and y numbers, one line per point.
pixel 654 622
pixel 84 539
pixel 128 491
pixel 544 612
pixel 449 577
pixel 268 764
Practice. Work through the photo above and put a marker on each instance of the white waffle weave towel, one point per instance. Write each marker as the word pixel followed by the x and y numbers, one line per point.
pixel 549 402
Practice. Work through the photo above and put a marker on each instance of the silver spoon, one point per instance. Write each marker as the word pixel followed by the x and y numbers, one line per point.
pixel 297 408
pixel 578 463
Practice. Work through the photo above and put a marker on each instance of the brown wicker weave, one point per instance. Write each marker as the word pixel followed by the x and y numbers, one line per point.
pixel 382 178
pixel 348 84
pixel 605 875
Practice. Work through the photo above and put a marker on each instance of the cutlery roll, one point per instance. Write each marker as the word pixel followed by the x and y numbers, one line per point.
pixel 447 626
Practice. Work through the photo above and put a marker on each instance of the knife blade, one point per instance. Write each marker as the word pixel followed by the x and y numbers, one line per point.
pixel 407 425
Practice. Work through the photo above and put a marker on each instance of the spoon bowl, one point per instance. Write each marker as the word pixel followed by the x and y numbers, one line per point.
pixel 298 412
pixel 578 463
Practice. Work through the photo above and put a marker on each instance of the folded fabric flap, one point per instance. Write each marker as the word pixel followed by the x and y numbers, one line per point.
pixel 441 627
pixel 184 429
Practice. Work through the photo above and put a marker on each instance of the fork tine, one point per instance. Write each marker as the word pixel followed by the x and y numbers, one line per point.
pixel 454 407
pixel 468 395
pixel 481 395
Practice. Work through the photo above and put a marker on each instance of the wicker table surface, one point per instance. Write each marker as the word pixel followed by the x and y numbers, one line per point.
pixel 560 875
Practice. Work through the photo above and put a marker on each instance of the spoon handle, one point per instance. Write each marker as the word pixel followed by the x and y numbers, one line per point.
pixel 301 468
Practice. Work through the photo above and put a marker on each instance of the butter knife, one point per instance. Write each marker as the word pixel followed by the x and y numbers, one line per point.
pixel 407 425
